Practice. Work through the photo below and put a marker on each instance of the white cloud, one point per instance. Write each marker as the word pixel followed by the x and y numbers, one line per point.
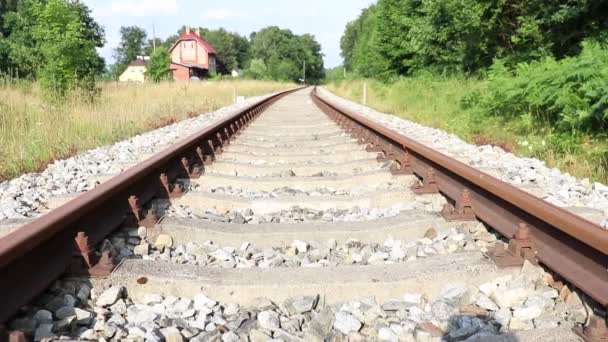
pixel 142 8
pixel 221 14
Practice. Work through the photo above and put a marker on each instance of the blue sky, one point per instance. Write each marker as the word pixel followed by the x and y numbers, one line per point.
pixel 325 19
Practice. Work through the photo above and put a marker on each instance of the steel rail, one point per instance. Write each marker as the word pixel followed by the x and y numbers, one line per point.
pixel 34 255
pixel 568 244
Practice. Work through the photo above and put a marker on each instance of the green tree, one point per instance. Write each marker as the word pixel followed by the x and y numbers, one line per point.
pixel 223 42
pixel 132 43
pixel 67 38
pixel 284 54
pixel 257 70
pixel 6 7
pixel 404 37
pixel 158 67
pixel 23 53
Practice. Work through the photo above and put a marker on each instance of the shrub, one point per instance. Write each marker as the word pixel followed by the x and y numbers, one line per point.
pixel 569 94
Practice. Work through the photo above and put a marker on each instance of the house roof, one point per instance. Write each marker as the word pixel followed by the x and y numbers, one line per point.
pixel 193 36
pixel 138 62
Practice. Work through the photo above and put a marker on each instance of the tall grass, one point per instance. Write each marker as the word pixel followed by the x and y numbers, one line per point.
pixel 35 130
pixel 450 104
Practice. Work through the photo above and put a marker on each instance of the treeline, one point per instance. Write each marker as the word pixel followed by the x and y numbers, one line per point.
pixel 544 61
pixel 55 42
pixel 270 54
pixel 406 37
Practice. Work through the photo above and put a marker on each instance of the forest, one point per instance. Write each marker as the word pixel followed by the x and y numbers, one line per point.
pixel 524 71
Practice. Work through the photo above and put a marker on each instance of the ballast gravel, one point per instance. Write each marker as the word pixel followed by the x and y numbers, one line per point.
pixel 27 195
pixel 562 189
pixel 73 309
pixel 302 253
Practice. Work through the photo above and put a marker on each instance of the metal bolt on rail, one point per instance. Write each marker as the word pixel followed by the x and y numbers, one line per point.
pixel 462 210
pixel 595 331
pixel 428 185
pixel 170 190
pixel 85 260
pixel 519 249
pixel 402 165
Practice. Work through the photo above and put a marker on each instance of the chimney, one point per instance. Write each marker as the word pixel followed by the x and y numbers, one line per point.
pixel 198 32
pixel 187 29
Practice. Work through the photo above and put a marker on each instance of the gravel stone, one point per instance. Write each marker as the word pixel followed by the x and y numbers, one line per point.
pixel 346 323
pixel 269 320
pixel 110 296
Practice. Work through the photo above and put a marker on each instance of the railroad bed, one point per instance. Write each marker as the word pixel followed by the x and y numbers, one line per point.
pixel 296 231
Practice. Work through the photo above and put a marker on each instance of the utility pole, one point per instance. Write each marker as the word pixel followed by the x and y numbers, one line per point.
pixel 304 68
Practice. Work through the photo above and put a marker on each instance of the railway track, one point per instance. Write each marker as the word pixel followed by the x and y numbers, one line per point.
pixel 298 220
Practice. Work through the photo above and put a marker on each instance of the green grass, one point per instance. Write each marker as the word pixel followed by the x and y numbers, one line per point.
pixel 35 131
pixel 446 104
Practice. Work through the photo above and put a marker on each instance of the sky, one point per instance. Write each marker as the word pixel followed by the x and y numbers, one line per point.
pixel 325 19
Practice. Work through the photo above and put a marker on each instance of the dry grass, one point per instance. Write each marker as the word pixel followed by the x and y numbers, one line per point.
pixel 35 131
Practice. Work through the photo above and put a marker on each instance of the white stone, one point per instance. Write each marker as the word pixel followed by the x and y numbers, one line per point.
pixel 142 232
pixel 89 334
pixel 143 249
pixel 386 334
pixel 163 241
pixel 151 298
pixel 486 303
pixel 269 320
pixel 527 313
pixel 202 302
pixel 300 246
pixel 171 334
pixel 412 298
pixel 229 336
pixel 509 297
pixel 346 323
pixel 83 317
pixel 110 296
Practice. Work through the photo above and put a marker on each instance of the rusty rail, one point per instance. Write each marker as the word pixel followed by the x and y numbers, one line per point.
pixel 34 255
pixel 568 244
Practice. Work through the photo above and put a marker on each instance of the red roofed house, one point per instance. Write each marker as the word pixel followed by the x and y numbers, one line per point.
pixel 192 56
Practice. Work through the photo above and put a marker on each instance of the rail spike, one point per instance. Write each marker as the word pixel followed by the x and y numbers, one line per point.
pixel 519 249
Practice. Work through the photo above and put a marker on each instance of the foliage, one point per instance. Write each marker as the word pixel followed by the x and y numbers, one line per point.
pixel 569 94
pixel 54 41
pixel 406 37
pixel 335 74
pixel 257 70
pixel 358 45
pixel 132 44
pixel 285 53
pixel 232 49
pixel 159 66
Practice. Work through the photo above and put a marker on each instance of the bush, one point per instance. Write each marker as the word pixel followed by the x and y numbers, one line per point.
pixel 569 94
